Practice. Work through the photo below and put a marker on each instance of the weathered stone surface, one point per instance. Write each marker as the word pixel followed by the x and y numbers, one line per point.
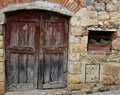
pixel 116 44
pixel 78 87
pixel 77 30
pixel 2 59
pixel 2 88
pixel 92 73
pixel 74 78
pixel 74 57
pixel 81 21
pixel 2 19
pixel 110 73
pixel 2 29
pixel 113 69
pixel 107 80
pixel 115 18
pixel 118 32
pixel 95 22
pixel 1 38
pixel 75 39
pixel 103 15
pixel 111 7
pixel 77 68
pixel 93 14
pixel 83 13
pixel 1 52
pixel 1 45
pixel 2 77
pixel 88 2
pixel 77 48
pixel 100 6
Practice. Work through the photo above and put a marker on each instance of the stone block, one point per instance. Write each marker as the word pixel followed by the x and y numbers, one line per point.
pixel 2 77
pixel 117 79
pixel 82 13
pixel 76 30
pixel 1 52
pixel 2 59
pixel 82 22
pixel 2 29
pixel 100 6
pixel 93 14
pixel 2 88
pixel 111 7
pixel 70 67
pixel 115 18
pixel 77 68
pixel 74 78
pixel 1 38
pixel 103 15
pixel 1 44
pixel 92 73
pixel 78 87
pixel 77 48
pixel 88 2
pixel 74 57
pixel 116 44
pixel 118 32
pixel 107 80
pixel 2 19
pixel 111 70
pixel 75 39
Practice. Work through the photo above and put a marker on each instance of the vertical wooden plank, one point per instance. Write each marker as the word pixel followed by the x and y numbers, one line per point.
pixel 48 34
pixel 13 71
pixel 60 69
pixel 23 34
pixel 14 34
pixel 47 62
pixel 22 68
pixel 31 38
pixel 30 68
pixel 56 37
pixel 54 67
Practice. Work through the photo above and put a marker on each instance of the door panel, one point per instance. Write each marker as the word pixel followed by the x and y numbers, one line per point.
pixel 21 55
pixel 53 49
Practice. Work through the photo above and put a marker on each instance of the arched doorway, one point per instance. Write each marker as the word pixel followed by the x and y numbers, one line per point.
pixel 36 49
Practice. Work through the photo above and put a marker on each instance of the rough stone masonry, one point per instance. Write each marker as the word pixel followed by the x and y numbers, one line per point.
pixel 87 71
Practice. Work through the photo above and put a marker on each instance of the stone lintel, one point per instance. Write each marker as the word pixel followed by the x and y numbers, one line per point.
pixel 38 5
pixel 102 29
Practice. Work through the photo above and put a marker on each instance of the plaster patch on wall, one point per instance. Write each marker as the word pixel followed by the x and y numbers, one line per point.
pixel 92 73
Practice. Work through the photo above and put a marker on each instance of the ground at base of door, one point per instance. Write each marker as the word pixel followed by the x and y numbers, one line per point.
pixel 58 92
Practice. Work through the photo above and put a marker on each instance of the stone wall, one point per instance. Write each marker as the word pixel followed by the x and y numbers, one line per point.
pixel 96 71
pixel 2 59
pixel 87 71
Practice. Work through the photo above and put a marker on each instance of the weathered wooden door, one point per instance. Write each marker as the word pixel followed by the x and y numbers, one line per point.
pixel 53 51
pixel 21 50
pixel 36 50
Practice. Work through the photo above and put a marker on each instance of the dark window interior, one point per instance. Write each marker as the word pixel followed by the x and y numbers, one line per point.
pixel 100 40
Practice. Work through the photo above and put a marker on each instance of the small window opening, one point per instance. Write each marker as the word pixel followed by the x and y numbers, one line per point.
pixel 100 40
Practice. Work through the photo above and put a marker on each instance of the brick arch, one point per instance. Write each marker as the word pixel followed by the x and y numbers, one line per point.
pixel 72 5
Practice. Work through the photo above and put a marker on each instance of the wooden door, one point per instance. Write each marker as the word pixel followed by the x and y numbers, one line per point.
pixel 21 50
pixel 53 51
pixel 36 50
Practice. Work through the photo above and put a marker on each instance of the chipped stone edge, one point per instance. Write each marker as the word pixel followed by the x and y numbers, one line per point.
pixel 38 5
